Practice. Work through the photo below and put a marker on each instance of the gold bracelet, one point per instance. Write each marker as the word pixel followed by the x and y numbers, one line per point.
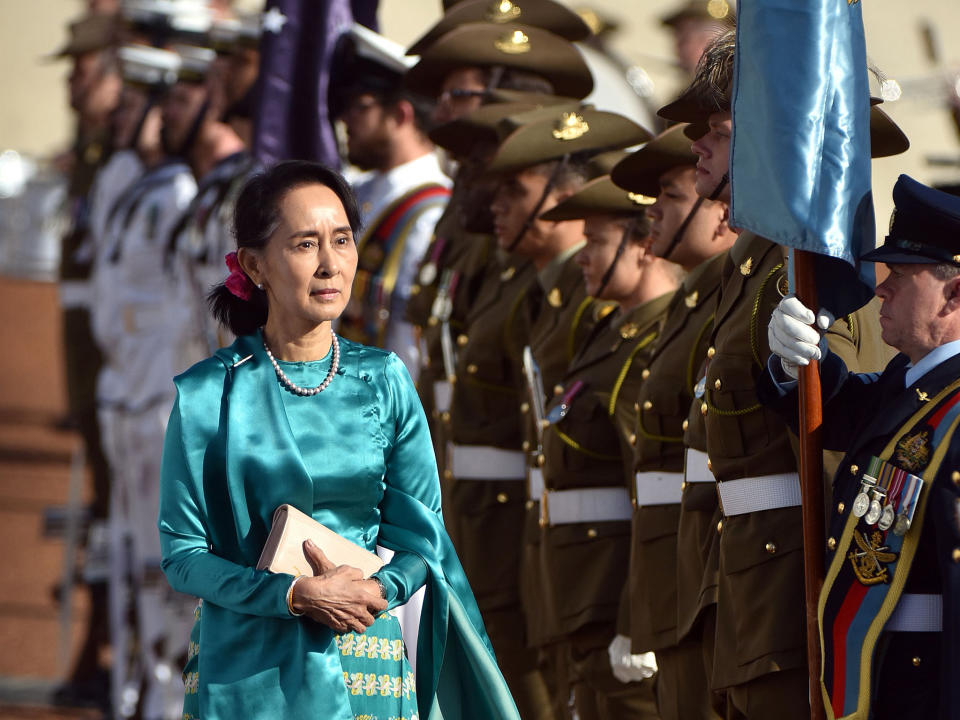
pixel 293 612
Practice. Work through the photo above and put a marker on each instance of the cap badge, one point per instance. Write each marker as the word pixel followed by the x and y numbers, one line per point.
pixel 570 126
pixel 638 199
pixel 718 9
pixel 555 298
pixel 515 43
pixel 502 11
pixel 691 300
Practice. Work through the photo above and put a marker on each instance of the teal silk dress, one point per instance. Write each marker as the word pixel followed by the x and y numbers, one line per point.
pixel 359 459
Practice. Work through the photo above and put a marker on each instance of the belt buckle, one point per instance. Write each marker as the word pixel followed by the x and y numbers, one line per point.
pixel 719 497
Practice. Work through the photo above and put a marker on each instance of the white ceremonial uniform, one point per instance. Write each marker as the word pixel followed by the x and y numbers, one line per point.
pixel 204 236
pixel 375 192
pixel 136 321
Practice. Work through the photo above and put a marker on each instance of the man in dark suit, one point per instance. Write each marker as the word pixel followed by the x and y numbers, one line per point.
pixel 888 610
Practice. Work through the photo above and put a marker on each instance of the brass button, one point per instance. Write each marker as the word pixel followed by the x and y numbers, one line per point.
pixel 530 504
pixel 647 405
pixel 956 555
pixel 445 416
pixel 526 446
pixel 502 498
pixel 683 486
pixel 558 389
pixel 686 424
pixel 854 469
pixel 841 507
pixel 592 533
pixel 916 661
pixel 717 384
pixel 720 526
pixel 472 369
pixel 433 321
pixel 955 477
pixel 711 351
pixel 541 460
pixel 448 475
pixel 633 439
pixel 414 289
pixel 703 408
pixel 525 407
pixel 636 407
pixel 544 424
pixel 462 340
pixel 832 543
pixel 645 374
pixel 771 548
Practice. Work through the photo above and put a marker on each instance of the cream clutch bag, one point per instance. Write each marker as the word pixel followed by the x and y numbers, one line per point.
pixel 283 551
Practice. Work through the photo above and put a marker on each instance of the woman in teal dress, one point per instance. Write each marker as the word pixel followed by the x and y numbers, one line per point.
pixel 291 414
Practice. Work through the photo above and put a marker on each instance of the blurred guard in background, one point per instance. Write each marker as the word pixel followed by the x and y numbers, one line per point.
pixel 94 86
pixel 401 197
pixel 136 320
pixel 588 431
pixel 695 24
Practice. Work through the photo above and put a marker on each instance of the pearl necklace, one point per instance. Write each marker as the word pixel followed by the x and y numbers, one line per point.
pixel 296 389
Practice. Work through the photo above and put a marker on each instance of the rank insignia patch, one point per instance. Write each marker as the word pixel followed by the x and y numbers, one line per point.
pixel 913 451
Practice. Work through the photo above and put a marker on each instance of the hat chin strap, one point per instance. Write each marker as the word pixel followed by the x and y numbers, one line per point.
pixel 682 230
pixel 551 182
pixel 624 239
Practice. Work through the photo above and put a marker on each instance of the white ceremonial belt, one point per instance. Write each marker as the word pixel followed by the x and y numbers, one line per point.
pixel 562 507
pixel 535 483
pixel 442 392
pixel 481 462
pixel 75 294
pixel 658 488
pixel 917 613
pixel 696 467
pixel 754 494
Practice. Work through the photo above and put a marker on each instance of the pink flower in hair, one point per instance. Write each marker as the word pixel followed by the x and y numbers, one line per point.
pixel 237 282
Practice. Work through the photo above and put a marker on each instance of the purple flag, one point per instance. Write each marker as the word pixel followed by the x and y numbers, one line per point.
pixel 291 119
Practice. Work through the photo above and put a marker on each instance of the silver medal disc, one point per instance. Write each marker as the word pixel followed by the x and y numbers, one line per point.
pixel 886 518
pixel 861 504
pixel 428 273
pixel 902 524
pixel 873 514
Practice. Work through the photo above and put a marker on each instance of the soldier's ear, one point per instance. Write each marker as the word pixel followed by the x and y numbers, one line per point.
pixel 951 291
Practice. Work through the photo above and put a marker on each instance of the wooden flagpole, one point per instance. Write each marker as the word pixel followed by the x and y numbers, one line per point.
pixel 811 484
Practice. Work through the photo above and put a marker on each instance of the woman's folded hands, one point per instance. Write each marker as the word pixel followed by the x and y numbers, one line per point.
pixel 337 596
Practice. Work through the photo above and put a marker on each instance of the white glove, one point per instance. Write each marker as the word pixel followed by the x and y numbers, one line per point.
pixel 796 335
pixel 630 668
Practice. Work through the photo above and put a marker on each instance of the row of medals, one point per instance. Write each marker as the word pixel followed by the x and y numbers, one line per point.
pixel 870 509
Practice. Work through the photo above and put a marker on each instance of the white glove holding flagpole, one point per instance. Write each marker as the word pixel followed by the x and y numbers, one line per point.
pixel 630 668
pixel 797 335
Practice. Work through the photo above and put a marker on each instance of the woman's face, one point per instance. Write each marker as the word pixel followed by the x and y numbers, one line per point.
pixel 308 264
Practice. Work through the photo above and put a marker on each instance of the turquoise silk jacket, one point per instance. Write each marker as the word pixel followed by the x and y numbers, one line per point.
pixel 230 459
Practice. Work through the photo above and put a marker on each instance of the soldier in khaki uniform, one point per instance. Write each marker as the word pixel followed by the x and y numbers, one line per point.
pixel 693 232
pixel 585 510
pixel 534 170
pixel 759 655
pixel 463 68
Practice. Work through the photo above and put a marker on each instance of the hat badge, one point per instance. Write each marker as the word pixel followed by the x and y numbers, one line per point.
pixel 515 43
pixel 570 126
pixel 502 11
pixel 638 199
pixel 718 9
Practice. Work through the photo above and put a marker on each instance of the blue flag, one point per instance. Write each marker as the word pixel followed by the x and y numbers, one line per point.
pixel 800 151
pixel 291 120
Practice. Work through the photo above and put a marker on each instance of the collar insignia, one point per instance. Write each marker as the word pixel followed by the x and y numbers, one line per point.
pixel 628 331
pixel 515 43
pixel 913 451
pixel 570 126
pixel 508 274
pixel 922 396
pixel 502 11
pixel 555 298
pixel 692 299
pixel 746 267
